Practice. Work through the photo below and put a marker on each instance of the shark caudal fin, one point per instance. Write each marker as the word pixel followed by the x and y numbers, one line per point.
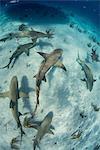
pixel 35 144
pixel 21 129
pixel 7 66
pixel 78 57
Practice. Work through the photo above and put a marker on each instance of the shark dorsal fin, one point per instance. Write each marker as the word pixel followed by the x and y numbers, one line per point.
pixel 44 55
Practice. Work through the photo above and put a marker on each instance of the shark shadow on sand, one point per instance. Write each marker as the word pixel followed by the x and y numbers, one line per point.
pixel 43 44
pixel 25 88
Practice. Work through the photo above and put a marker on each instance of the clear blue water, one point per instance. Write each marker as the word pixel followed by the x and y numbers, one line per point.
pixel 88 9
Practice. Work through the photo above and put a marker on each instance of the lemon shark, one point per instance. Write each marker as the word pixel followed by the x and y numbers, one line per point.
pixel 50 60
pixel 14 94
pixel 88 74
pixel 26 33
pixel 43 129
pixel 25 48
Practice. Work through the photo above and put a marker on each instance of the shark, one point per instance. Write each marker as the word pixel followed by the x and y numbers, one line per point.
pixel 88 74
pixel 50 60
pixel 43 129
pixel 24 32
pixel 25 48
pixel 14 94
pixel 31 123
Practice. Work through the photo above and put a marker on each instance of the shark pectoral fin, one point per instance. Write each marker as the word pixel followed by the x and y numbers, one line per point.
pixel 83 80
pixel 35 144
pixel 35 76
pixel 27 52
pixel 52 127
pixel 4 94
pixel 44 79
pixel 50 132
pixel 44 55
pixel 60 65
pixel 12 104
pixel 20 114
pixel 23 94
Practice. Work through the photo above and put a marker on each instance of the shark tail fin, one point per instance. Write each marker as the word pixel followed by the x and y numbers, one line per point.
pixel 21 129
pixel 7 66
pixel 35 144
pixel 78 58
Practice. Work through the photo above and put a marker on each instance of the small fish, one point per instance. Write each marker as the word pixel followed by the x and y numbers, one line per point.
pixel 94 56
pixel 95 107
pixel 76 134
pixel 23 27
pixel 14 1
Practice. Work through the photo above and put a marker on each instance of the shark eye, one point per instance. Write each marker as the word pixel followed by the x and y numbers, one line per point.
pixel 18 47
pixel 10 34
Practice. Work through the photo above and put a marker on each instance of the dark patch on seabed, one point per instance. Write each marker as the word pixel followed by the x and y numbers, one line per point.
pixel 35 13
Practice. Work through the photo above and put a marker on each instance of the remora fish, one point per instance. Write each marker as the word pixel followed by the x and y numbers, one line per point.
pixel 20 49
pixel 88 74
pixel 43 129
pixel 52 59
pixel 14 94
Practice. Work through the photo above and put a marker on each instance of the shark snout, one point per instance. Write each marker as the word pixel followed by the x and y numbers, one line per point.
pixel 50 114
pixel 59 50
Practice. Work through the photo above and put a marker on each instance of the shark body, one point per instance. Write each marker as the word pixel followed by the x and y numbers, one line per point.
pixel 88 74
pixel 43 129
pixel 50 60
pixel 14 94
pixel 20 50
